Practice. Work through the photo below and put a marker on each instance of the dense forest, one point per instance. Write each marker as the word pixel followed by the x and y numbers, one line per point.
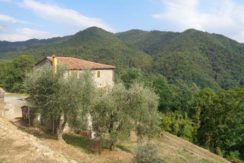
pixel 197 76
pixel 208 60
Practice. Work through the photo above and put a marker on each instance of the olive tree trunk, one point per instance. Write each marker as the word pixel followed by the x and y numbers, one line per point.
pixel 60 127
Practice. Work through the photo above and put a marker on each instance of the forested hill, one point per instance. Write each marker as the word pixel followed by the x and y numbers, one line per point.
pixel 93 43
pixel 209 60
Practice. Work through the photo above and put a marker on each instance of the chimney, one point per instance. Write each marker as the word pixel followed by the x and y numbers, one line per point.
pixel 55 63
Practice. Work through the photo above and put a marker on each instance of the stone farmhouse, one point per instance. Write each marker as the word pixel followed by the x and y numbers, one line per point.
pixel 103 74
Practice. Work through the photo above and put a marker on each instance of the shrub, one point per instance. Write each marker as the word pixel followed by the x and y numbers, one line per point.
pixel 234 156
pixel 177 124
pixel 117 112
pixel 147 153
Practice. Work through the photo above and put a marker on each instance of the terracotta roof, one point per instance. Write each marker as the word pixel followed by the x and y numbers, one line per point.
pixel 79 64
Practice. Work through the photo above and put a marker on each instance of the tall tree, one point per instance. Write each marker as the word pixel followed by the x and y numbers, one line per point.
pixel 120 110
pixel 59 100
pixel 12 73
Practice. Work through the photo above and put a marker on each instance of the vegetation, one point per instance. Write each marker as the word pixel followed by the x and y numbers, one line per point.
pixel 208 60
pixel 12 74
pixel 208 117
pixel 57 99
pixel 147 153
pixel 197 77
pixel 117 112
pixel 177 124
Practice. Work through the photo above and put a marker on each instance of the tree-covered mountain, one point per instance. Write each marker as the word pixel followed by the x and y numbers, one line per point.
pixel 93 43
pixel 209 60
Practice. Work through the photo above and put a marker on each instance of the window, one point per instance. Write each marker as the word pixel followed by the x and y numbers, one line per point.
pixel 98 74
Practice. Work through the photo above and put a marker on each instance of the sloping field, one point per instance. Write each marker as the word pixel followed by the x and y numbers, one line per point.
pixel 17 144
pixel 176 150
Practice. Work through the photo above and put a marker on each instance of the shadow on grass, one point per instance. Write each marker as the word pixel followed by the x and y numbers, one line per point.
pixel 35 131
pixel 124 148
pixel 85 143
pixel 89 145
pixel 77 141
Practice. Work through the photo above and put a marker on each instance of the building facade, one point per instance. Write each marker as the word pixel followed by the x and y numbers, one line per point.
pixel 102 74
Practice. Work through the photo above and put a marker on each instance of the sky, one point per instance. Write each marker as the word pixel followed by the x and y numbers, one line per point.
pixel 26 19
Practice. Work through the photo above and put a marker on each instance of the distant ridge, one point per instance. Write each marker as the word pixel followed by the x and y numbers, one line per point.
pixel 209 60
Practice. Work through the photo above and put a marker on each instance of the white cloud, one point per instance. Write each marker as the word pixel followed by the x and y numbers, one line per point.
pixel 10 19
pixel 64 16
pixel 23 34
pixel 220 16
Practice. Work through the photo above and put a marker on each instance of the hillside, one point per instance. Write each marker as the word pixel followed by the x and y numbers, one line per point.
pixel 17 146
pixel 209 60
pixel 40 147
pixel 172 149
pixel 93 43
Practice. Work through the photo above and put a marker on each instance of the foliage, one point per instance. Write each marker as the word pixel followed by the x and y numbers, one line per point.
pixel 59 99
pixel 184 97
pixel 165 91
pixel 178 124
pixel 209 60
pixel 234 156
pixel 12 73
pixel 130 76
pixel 220 119
pixel 186 70
pixel 147 153
pixel 116 112
pixel 93 44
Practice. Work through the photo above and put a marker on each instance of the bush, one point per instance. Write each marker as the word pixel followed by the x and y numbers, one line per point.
pixel 117 112
pixel 147 153
pixel 234 156
pixel 177 124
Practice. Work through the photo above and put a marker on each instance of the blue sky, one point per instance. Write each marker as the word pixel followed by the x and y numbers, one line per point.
pixel 26 19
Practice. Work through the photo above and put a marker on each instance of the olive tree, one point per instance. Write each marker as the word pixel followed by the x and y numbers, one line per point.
pixel 57 98
pixel 118 111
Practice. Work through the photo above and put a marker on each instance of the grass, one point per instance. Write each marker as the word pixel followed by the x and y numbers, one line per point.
pixel 16 94
pixel 172 149
pixel 90 146
pixel 84 143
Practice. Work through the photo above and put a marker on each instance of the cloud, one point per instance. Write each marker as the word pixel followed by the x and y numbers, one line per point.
pixel 9 19
pixel 64 16
pixel 22 34
pixel 220 16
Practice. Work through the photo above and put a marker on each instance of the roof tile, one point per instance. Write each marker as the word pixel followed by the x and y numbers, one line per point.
pixel 79 64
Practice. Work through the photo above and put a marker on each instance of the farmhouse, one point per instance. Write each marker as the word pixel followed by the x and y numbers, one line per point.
pixel 103 75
